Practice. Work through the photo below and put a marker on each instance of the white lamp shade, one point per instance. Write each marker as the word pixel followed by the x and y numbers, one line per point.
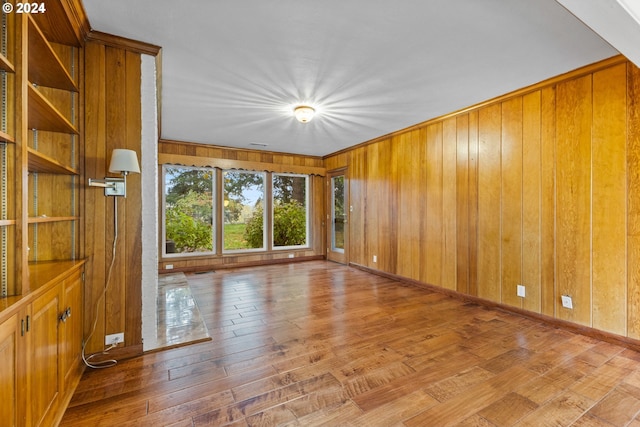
pixel 124 161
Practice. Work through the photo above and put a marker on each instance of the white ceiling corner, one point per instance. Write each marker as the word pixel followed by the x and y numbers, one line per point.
pixel 616 21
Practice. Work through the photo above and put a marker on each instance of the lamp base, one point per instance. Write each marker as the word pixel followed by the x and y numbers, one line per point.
pixel 112 186
pixel 117 187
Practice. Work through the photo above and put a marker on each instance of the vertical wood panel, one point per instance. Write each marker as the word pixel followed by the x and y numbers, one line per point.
pixel 511 200
pixel 489 128
pixel 573 130
pixel 113 120
pixel 449 202
pixel 435 223
pixel 609 200
pixel 405 218
pixel 473 202
pixel 94 200
pixel 531 201
pixel 133 203
pixel 372 218
pixel 389 232
pixel 357 194
pixel 409 216
pixel 462 208
pixel 633 200
pixel 420 141
pixel 548 295
pixel 115 314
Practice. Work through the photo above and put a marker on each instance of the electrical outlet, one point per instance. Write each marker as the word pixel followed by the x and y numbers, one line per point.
pixel 567 302
pixel 114 339
pixel 375 258
pixel 521 292
pixel 168 266
pixel 291 255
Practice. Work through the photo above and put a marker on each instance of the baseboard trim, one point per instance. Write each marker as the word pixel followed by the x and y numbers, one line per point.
pixel 630 343
pixel 223 266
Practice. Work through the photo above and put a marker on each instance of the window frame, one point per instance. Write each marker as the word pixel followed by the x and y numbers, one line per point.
pixel 307 238
pixel 214 221
pixel 265 193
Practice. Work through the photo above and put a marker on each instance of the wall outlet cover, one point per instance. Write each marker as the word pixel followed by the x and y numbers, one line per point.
pixel 521 291
pixel 114 339
pixel 567 302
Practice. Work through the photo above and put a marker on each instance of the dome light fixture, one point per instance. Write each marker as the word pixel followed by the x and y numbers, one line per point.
pixel 304 113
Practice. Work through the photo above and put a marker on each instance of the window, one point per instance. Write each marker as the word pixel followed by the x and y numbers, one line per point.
pixel 289 210
pixel 244 213
pixel 188 210
pixel 209 211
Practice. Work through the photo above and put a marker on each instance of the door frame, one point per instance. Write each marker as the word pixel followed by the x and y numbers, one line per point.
pixel 337 256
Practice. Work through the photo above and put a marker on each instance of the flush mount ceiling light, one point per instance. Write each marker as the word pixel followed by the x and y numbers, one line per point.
pixel 304 113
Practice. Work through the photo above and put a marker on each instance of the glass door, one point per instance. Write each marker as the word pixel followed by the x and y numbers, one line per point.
pixel 337 217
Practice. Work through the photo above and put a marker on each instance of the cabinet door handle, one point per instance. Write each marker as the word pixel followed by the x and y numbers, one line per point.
pixel 63 317
pixel 28 323
pixel 21 327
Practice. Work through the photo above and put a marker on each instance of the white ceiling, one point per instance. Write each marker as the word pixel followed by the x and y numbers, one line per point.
pixel 234 69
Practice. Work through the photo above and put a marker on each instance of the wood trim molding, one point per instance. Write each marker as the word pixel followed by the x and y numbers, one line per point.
pixel 587 331
pixel 78 14
pixel 184 160
pixel 588 69
pixel 123 43
pixel 236 149
pixel 203 268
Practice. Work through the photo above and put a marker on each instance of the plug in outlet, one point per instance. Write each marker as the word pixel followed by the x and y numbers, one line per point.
pixel 168 266
pixel 114 339
pixel 375 258
pixel 567 302
pixel 521 292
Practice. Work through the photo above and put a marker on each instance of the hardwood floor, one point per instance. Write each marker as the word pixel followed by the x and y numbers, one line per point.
pixel 318 343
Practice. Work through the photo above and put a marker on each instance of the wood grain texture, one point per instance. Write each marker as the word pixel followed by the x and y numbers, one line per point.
pixel 489 202
pixel 473 202
pixel 573 197
pixel 463 199
pixel 548 201
pixel 133 203
pixel 511 201
pixel 633 201
pixel 435 223
pixel 95 165
pixel 531 201
pixel 449 203
pixel 319 343
pixel 609 200
pixel 116 136
pixel 112 121
pixel 358 199
pixel 410 203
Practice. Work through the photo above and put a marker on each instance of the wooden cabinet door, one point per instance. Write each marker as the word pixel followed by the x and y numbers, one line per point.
pixel 9 372
pixel 71 329
pixel 45 380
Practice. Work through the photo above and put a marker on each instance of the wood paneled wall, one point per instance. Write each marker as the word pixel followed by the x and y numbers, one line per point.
pixel 113 120
pixel 540 187
pixel 259 160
